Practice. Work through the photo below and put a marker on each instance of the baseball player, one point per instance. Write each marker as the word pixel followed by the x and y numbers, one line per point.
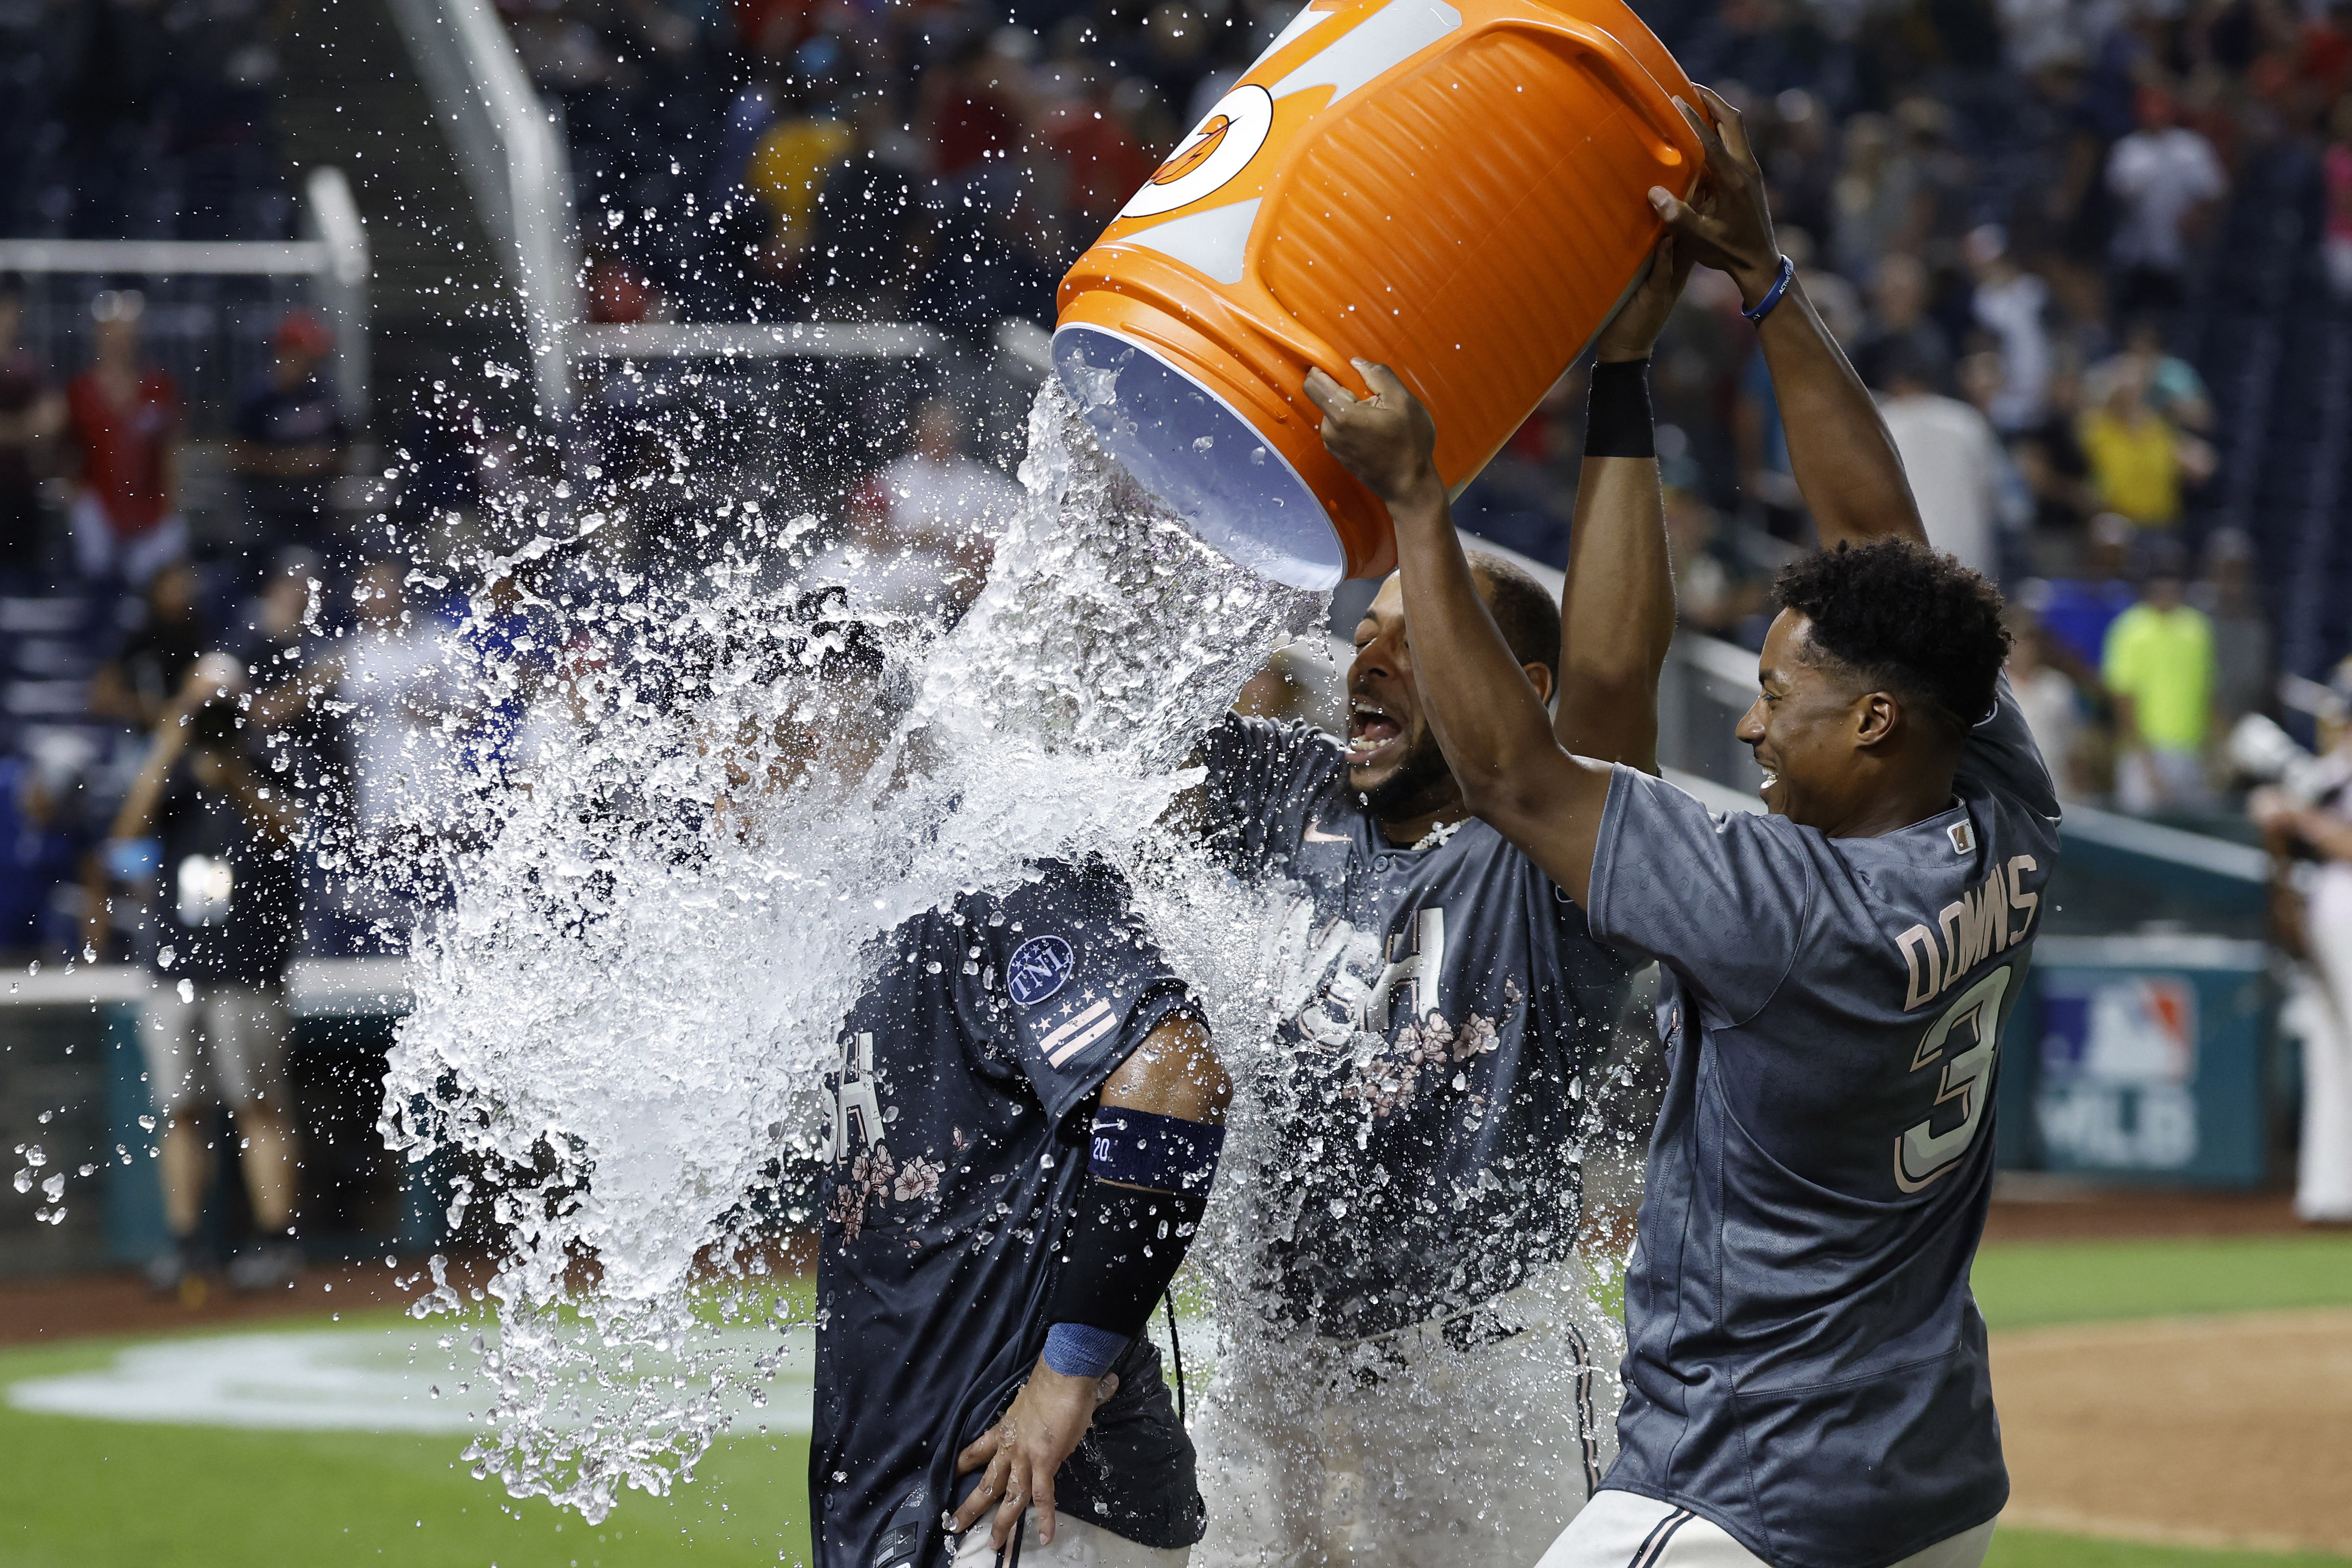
pixel 1807 1382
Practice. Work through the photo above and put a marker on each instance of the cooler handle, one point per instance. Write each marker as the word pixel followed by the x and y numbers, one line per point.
pixel 1658 113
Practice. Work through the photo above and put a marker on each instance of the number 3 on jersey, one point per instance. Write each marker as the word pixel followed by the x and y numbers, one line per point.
pixel 1921 1154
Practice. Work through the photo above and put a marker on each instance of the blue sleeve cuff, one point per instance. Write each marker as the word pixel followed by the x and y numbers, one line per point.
pixel 1079 1350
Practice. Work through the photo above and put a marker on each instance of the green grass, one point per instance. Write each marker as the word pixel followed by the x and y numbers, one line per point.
pixel 2024 1284
pixel 98 1494
pixel 2040 1549
pixel 93 1494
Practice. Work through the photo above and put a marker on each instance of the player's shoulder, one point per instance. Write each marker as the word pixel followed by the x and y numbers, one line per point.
pixel 2002 762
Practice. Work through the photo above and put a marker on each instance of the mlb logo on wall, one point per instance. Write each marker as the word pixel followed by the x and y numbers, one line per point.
pixel 1039 967
pixel 2118 1062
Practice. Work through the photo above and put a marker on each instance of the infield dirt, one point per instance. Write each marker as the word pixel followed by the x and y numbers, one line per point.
pixel 2230 1430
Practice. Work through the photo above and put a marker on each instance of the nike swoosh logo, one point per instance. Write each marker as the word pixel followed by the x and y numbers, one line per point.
pixel 1315 834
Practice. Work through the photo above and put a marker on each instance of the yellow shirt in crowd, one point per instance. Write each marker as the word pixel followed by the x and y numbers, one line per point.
pixel 2163 660
pixel 790 164
pixel 2136 466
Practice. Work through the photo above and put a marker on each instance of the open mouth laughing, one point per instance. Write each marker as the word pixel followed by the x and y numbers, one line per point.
pixel 1374 734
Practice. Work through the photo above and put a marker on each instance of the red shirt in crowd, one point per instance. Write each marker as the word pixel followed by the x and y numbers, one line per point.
pixel 122 447
pixel 774 27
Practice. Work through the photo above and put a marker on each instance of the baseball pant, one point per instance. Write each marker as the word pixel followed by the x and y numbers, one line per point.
pixel 1622 1530
pixel 2323 1188
pixel 1465 1443
pixel 226 1046
pixel 1077 1544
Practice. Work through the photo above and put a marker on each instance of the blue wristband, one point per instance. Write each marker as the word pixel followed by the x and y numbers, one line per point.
pixel 1772 295
pixel 1079 1350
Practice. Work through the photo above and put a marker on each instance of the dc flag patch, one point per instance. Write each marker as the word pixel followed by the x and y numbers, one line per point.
pixel 1039 967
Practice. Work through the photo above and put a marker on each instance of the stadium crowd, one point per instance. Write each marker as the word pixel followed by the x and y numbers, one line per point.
pixel 2014 216
pixel 2007 213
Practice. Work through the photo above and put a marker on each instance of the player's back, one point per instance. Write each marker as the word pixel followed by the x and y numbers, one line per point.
pixel 1806 1365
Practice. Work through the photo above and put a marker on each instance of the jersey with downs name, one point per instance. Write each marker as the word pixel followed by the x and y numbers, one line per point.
pixel 1439 1007
pixel 1805 1365
pixel 956 1144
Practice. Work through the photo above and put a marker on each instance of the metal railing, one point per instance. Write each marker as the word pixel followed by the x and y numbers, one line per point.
pixel 332 267
pixel 751 341
pixel 510 151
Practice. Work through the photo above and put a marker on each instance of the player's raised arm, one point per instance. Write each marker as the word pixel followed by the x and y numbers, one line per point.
pixel 1843 457
pixel 1617 606
pixel 1492 726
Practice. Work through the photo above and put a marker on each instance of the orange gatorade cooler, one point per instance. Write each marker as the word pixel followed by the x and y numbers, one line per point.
pixel 1456 192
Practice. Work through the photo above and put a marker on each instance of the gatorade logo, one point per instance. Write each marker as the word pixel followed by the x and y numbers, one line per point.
pixel 1191 158
pixel 1219 148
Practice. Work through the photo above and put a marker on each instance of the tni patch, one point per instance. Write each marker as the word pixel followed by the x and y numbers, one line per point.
pixel 1039 967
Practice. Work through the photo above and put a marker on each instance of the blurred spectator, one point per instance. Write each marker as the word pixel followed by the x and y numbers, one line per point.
pixel 922 532
pixel 1878 210
pixel 618 291
pixel 1900 325
pixel 1957 467
pixel 290 439
pixel 2009 302
pixel 971 106
pixel 791 160
pixel 39 850
pixel 2138 457
pixel 31 413
pixel 137 685
pixel 2320 1014
pixel 2050 457
pixel 125 422
pixel 284 650
pixel 2173 388
pixel 1104 165
pixel 2159 667
pixel 773 29
pixel 2050 701
pixel 863 224
pixel 2241 632
pixel 404 702
pixel 1719 587
pixel 2337 169
pixel 2164 174
pixel 214 1031
pixel 1525 498
pixel 2076 612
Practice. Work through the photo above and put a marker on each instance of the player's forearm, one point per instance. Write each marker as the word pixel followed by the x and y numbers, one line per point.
pixel 1151 1162
pixel 1843 460
pixel 1617 613
pixel 136 816
pixel 2325 834
pixel 1487 717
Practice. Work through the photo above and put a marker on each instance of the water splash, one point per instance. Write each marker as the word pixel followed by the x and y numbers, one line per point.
pixel 623 1015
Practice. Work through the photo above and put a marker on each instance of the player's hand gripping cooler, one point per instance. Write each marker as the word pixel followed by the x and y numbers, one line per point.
pixel 1456 192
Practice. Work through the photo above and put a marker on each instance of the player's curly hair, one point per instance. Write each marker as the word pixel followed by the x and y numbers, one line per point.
pixel 1905 619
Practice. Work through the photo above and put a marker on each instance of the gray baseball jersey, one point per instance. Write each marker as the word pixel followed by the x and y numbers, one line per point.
pixel 1438 1007
pixel 1806 1367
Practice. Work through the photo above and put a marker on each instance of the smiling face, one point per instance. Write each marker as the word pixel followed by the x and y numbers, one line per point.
pixel 1809 726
